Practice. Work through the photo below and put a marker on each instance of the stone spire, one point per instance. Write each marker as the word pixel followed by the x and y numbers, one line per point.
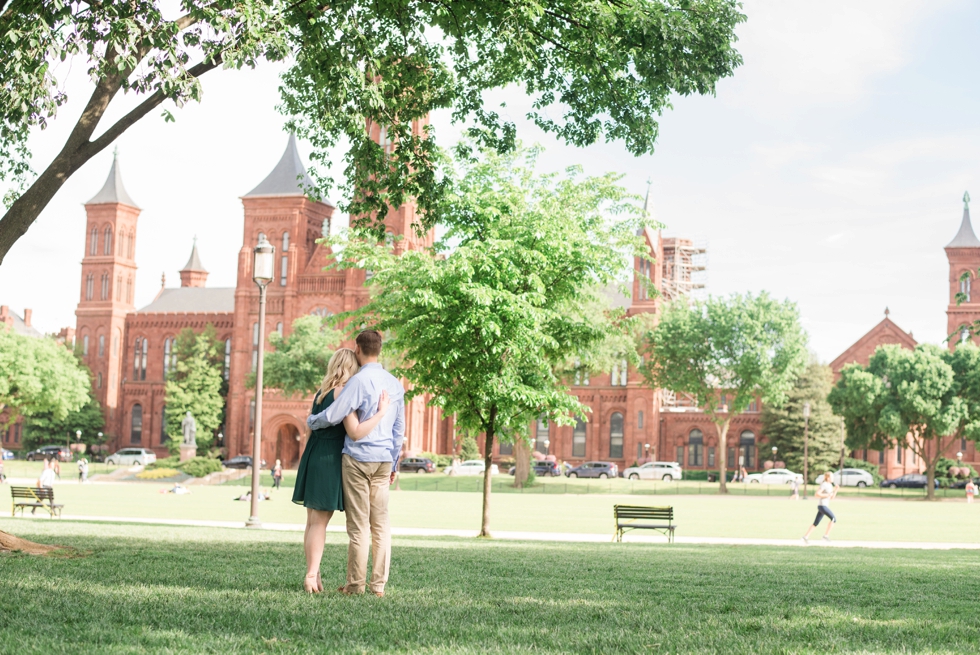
pixel 965 238
pixel 113 190
pixel 288 178
pixel 193 273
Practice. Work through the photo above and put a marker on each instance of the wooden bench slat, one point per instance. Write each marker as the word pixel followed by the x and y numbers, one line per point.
pixel 626 517
pixel 34 497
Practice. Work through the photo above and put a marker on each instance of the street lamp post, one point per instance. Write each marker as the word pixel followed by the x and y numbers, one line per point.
pixel 806 446
pixel 774 449
pixel 262 272
pixel 78 438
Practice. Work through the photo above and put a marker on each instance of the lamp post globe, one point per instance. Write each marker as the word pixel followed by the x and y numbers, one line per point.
pixel 263 270
pixel 774 450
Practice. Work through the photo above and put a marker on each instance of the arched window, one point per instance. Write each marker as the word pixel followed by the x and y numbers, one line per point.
pixel 168 344
pixel 93 246
pixel 119 288
pixel 695 448
pixel 578 439
pixel 101 345
pixel 98 383
pixel 616 436
pixel 104 291
pixel 746 446
pixel 136 424
pixel 227 368
pixel 85 345
pixel 279 328
pixel 129 289
pixel 139 358
pixel 115 342
pixel 255 346
pixel 965 334
pixel 163 425
pixel 284 262
pixel 542 438
pixel 132 244
pixel 107 241
pixel 89 286
pixel 965 286
pixel 620 371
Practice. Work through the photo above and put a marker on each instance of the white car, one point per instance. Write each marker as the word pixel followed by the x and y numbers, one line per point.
pixel 131 456
pixel 774 476
pixel 854 478
pixel 473 467
pixel 665 471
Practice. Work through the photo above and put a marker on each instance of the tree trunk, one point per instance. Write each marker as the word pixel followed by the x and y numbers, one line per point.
pixel 522 465
pixel 723 454
pixel 487 478
pixel 930 465
pixel 9 542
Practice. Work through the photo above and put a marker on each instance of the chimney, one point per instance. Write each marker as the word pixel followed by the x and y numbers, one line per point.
pixel 27 317
pixel 5 316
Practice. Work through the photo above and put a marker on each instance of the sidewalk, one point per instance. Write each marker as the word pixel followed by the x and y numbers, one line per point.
pixel 537 536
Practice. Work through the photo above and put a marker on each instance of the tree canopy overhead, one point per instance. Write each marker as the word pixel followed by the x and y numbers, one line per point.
pixel 593 69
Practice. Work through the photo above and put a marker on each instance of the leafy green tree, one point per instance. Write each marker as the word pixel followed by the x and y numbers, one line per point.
pixel 44 428
pixel 593 70
pixel 902 398
pixel 742 346
pixel 783 424
pixel 39 376
pixel 195 386
pixel 469 449
pixel 484 326
pixel 965 362
pixel 298 362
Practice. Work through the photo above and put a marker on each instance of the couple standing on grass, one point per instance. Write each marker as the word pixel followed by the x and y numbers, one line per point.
pixel 357 427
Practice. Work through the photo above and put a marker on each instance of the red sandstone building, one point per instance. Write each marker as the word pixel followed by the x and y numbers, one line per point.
pixel 130 350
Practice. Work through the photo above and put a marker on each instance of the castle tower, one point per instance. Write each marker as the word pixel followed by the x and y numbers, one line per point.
pixel 108 285
pixel 193 273
pixel 963 253
pixel 646 274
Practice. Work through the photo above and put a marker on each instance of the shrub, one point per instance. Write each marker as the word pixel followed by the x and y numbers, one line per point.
pixel 439 460
pixel 200 466
pixel 157 473
pixel 165 463
pixel 469 449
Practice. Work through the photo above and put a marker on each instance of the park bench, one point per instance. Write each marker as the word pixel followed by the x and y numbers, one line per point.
pixel 637 517
pixel 34 498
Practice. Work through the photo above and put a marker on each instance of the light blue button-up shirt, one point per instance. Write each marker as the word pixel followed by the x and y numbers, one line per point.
pixel 361 393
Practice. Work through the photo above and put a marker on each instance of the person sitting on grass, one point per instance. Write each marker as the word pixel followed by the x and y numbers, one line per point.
pixel 825 493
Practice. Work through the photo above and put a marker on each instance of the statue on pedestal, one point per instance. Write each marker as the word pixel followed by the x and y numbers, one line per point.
pixel 189 428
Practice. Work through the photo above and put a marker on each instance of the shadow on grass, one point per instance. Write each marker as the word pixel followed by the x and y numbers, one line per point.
pixel 136 594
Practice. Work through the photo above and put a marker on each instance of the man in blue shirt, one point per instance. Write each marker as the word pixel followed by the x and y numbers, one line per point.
pixel 369 463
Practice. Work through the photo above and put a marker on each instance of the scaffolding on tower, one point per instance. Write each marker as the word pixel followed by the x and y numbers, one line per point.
pixel 685 268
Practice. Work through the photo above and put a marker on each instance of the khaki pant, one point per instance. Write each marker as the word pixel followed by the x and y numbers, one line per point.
pixel 366 507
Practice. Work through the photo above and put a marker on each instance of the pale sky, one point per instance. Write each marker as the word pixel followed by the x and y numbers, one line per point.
pixel 828 170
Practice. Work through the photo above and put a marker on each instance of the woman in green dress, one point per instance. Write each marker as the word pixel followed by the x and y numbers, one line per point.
pixel 318 479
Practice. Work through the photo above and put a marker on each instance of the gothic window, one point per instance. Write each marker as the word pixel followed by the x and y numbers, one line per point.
pixel 965 334
pixel 139 358
pixel 129 289
pixel 85 345
pixel 746 446
pixel 616 436
pixel 898 454
pixel 541 437
pixel 93 246
pixel 119 288
pixel 965 286
pixel 578 439
pixel 167 351
pixel 107 241
pixel 711 456
pixel 89 286
pixel 115 342
pixel 506 448
pixel 695 448
pixel 614 375
pixel 132 243
pixel 136 424
pixel 104 291
pixel 227 369
pixel 623 373
pixel 279 328
pixel 163 424
pixel 285 259
pixel 255 346
pixel 578 372
pixel 639 420
pixel 101 345
pixel 98 382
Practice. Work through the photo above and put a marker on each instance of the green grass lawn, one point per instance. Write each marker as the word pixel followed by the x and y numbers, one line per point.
pixel 19 468
pixel 705 515
pixel 151 589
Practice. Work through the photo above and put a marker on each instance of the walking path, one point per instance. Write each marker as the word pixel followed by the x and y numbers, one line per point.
pixel 541 536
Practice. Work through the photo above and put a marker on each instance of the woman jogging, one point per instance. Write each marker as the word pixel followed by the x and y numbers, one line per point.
pixel 825 492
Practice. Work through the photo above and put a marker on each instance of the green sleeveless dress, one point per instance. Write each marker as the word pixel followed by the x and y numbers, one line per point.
pixel 318 479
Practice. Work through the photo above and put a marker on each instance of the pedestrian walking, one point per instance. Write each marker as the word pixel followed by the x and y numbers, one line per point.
pixel 277 474
pixel 82 470
pixel 56 467
pixel 971 488
pixel 3 478
pixel 825 493
pixel 794 486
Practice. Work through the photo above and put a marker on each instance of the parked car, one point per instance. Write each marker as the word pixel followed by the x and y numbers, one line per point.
pixel 473 467
pixel 63 453
pixel 665 471
pixel 908 481
pixel 131 456
pixel 774 476
pixel 7 454
pixel 594 470
pixel 541 468
pixel 240 462
pixel 961 484
pixel 854 478
pixel 416 465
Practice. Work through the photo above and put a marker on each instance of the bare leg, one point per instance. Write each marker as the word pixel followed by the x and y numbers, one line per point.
pixel 830 526
pixel 313 538
pixel 808 531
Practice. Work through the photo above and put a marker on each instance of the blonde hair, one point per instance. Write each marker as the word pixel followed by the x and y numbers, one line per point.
pixel 828 477
pixel 343 364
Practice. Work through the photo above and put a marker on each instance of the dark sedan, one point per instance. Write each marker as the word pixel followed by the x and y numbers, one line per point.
pixel 908 481
pixel 542 468
pixel 595 470
pixel 961 484
pixel 417 465
pixel 63 453
pixel 240 462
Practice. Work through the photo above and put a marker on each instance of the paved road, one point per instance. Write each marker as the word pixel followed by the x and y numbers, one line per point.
pixel 542 536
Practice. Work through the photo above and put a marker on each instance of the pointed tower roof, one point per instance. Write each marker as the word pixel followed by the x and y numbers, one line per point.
pixel 194 263
pixel 113 190
pixel 288 177
pixel 965 238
